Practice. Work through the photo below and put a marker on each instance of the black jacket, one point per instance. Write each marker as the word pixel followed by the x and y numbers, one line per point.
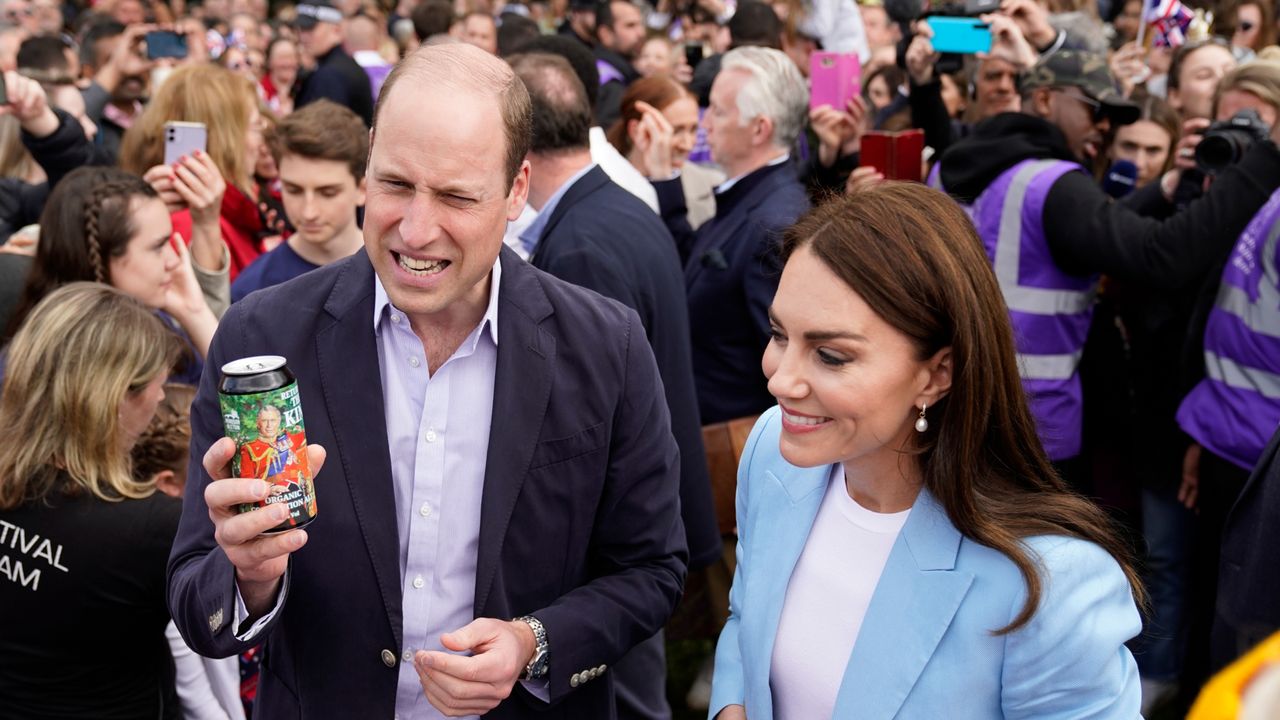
pixel 59 153
pixel 639 268
pixel 1087 232
pixel 339 78
pixel 1248 586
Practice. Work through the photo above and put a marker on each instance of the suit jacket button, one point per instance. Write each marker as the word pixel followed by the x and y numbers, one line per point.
pixel 575 680
pixel 601 669
pixel 388 658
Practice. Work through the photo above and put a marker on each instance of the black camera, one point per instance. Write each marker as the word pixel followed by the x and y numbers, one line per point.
pixel 1226 141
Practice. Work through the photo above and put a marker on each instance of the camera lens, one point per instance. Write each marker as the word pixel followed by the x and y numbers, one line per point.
pixel 1216 152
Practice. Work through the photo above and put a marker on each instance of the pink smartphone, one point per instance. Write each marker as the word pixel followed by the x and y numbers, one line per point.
pixel 834 78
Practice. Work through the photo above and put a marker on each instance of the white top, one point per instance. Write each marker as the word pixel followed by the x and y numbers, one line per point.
pixel 827 599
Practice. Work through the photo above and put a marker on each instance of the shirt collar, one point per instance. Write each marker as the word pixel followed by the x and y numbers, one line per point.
pixel 727 184
pixel 382 305
pixel 529 238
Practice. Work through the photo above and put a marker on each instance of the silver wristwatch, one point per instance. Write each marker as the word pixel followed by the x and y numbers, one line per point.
pixel 537 667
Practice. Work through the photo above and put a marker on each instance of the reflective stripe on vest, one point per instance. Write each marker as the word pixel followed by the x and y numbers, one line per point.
pixel 1233 374
pixel 1049 367
pixel 1262 315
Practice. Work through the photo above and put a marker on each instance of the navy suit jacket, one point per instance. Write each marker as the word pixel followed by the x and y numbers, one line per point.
pixel 731 274
pixel 1247 583
pixel 580 522
pixel 601 237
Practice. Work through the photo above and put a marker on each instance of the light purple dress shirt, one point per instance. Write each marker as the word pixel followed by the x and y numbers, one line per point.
pixel 438 435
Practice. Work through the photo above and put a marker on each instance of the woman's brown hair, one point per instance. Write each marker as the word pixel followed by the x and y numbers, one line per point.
pixel 659 91
pixel 913 255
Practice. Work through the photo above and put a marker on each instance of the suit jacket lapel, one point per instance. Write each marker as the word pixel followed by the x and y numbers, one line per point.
pixel 347 349
pixel 913 605
pixel 522 389
pixel 796 493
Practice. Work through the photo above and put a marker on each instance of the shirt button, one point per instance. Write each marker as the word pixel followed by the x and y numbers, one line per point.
pixel 431 436
pixel 407 656
pixel 413 362
pixel 418 582
pixel 395 318
pixel 425 510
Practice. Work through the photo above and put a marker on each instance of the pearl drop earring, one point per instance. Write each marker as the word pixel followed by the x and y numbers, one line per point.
pixel 921 423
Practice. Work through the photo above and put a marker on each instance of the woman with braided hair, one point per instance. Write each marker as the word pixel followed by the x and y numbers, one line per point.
pixel 109 226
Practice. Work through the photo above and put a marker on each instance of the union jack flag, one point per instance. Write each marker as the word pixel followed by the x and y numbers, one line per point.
pixel 1169 20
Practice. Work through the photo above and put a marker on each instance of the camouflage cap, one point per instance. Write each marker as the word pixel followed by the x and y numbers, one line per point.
pixel 1087 71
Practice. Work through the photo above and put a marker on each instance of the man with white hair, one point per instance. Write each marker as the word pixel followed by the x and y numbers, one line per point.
pixel 758 106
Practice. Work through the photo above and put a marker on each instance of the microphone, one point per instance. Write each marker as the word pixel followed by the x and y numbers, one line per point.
pixel 1120 179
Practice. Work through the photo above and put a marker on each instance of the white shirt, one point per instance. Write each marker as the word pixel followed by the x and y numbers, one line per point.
pixel 620 170
pixel 827 599
pixel 837 24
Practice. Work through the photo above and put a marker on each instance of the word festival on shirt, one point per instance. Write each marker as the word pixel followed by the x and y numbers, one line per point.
pixel 33 547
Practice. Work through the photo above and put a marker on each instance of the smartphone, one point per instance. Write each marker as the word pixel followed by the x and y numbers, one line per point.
pixel 166 44
pixel 183 138
pixel 834 79
pixel 693 54
pixel 960 35
pixel 896 155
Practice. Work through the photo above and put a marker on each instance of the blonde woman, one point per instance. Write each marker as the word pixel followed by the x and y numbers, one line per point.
pixel 82 563
pixel 227 104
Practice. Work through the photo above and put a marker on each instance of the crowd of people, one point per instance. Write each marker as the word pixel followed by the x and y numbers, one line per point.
pixel 1005 326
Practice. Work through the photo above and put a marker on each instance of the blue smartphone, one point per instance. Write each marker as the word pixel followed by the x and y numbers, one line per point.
pixel 961 35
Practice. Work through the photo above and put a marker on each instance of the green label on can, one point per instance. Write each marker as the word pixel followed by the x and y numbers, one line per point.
pixel 271 445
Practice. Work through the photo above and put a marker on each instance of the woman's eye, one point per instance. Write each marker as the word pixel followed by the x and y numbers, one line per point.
pixel 828 358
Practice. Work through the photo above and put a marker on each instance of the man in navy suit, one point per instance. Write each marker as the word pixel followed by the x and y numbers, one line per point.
pixel 498 516
pixel 592 233
pixel 759 103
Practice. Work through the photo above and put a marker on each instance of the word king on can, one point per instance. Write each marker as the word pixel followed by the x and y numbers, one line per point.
pixel 262 413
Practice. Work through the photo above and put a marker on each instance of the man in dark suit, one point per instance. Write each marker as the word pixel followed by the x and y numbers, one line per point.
pixel 758 107
pixel 498 518
pixel 592 233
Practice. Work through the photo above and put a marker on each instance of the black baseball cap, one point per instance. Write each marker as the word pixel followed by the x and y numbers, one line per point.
pixel 314 12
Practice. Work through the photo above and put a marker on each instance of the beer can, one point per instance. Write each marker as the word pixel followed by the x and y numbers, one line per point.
pixel 262 413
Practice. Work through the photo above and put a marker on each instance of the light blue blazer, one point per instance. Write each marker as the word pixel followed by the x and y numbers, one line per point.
pixel 926 648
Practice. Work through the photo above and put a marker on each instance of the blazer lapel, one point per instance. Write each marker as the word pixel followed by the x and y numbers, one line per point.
pixel 522 389
pixel 912 607
pixel 348 349
pixel 793 495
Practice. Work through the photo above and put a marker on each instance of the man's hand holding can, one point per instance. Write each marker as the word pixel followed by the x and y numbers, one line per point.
pixel 260 560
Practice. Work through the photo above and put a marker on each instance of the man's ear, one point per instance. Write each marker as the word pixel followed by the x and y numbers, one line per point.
pixel 761 130
pixel 1042 102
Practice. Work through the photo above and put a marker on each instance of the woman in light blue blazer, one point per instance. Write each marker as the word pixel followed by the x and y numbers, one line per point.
pixel 905 548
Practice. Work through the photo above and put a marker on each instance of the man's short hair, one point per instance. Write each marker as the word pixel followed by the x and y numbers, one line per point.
pixel 96 31
pixel 561 116
pixel 447 64
pixel 755 23
pixel 432 17
pixel 323 130
pixel 513 31
pixel 775 89
pixel 44 59
pixel 578 56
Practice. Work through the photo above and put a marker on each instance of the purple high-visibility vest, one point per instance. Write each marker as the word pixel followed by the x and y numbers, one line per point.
pixel 609 73
pixel 1236 408
pixel 1050 309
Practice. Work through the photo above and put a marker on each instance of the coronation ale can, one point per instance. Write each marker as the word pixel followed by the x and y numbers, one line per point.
pixel 262 413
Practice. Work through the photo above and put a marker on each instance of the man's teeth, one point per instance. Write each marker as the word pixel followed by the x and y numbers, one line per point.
pixel 422 267
pixel 802 420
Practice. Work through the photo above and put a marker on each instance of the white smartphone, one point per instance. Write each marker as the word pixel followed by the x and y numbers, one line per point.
pixel 183 138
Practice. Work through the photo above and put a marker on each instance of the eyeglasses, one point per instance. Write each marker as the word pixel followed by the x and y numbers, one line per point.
pixel 1099 114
